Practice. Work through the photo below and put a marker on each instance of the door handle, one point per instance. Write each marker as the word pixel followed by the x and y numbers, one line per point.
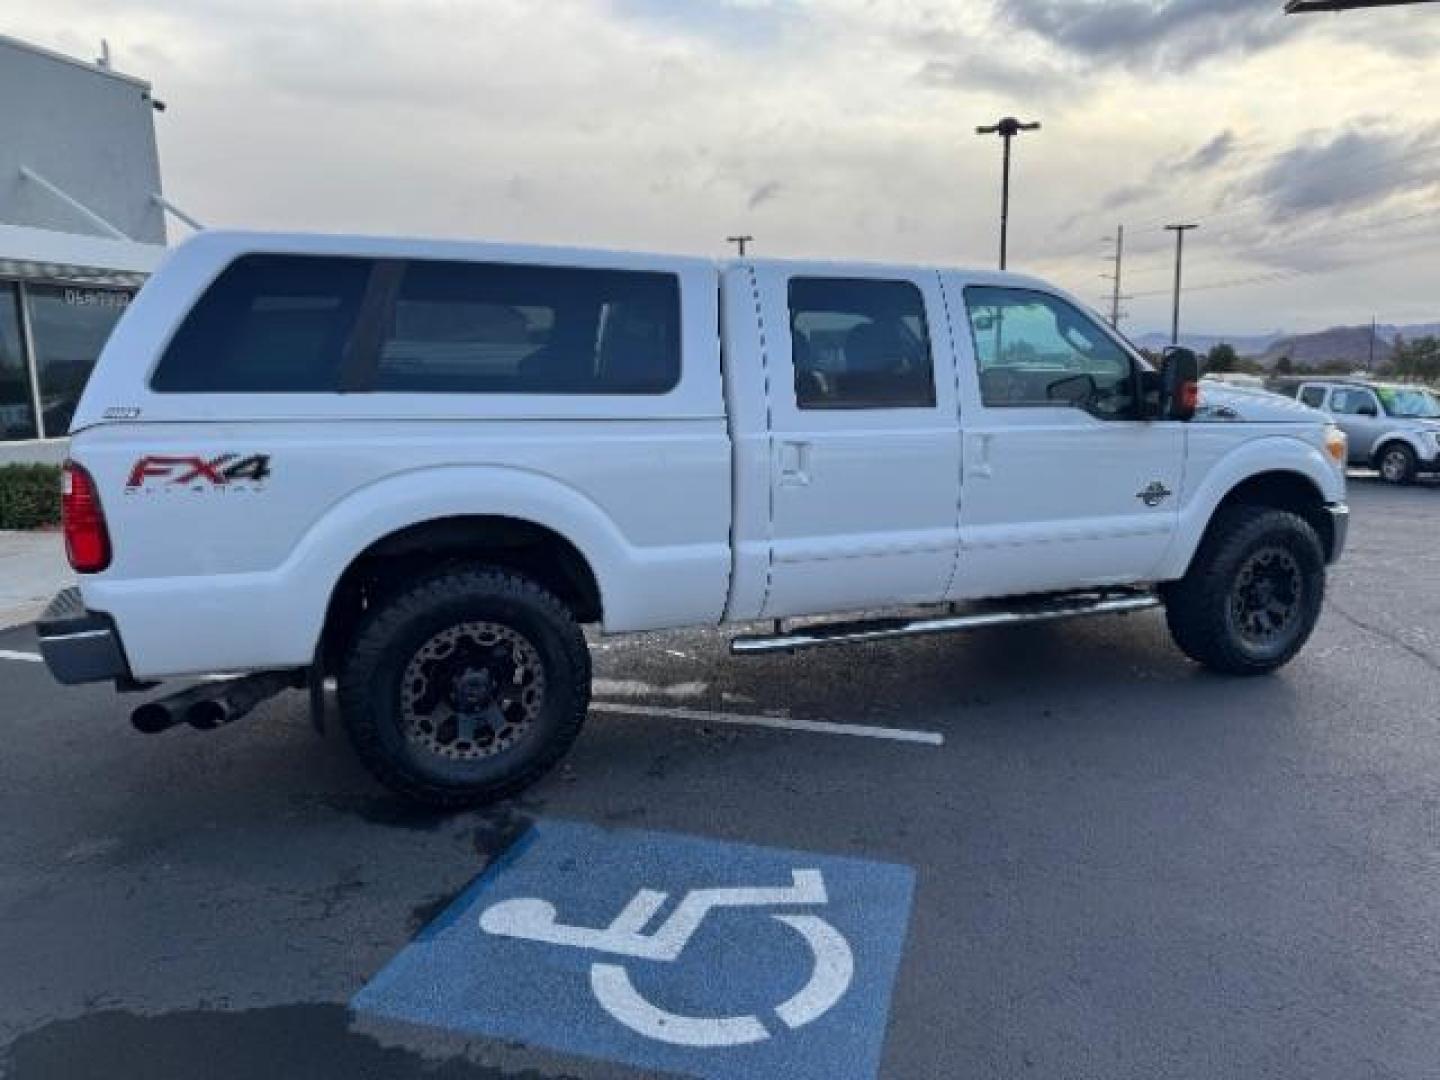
pixel 982 469
pixel 795 464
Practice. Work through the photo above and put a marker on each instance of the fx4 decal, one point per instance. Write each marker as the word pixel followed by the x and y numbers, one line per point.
pixel 199 472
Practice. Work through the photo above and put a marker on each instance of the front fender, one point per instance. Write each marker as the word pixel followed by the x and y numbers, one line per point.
pixel 1425 448
pixel 1214 471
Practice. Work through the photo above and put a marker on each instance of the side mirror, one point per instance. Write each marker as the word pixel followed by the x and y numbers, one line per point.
pixel 1179 384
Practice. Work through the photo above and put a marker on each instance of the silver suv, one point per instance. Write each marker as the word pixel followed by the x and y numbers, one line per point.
pixel 1391 427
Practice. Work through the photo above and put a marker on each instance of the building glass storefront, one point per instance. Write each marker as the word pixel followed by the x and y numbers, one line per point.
pixel 69 325
pixel 50 338
pixel 17 403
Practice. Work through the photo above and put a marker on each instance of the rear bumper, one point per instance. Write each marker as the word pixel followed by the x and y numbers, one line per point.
pixel 1339 529
pixel 80 646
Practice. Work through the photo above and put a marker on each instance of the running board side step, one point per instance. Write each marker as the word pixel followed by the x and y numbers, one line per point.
pixel 849 633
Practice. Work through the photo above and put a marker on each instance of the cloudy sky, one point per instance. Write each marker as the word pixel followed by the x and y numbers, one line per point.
pixel 1308 148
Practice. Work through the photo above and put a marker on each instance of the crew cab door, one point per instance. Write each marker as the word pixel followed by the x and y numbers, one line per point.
pixel 864 440
pixel 1063 486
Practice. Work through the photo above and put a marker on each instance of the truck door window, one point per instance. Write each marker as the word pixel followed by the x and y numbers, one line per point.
pixel 1033 349
pixel 860 343
pixel 1314 396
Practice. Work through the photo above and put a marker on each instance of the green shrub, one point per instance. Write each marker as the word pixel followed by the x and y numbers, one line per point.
pixel 29 496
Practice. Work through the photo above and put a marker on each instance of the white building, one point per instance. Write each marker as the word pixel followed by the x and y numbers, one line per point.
pixel 82 221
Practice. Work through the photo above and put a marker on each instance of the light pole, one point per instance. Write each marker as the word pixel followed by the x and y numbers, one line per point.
pixel 1179 231
pixel 740 242
pixel 1007 129
pixel 1304 7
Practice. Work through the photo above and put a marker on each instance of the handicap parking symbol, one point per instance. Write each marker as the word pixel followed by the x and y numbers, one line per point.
pixel 666 952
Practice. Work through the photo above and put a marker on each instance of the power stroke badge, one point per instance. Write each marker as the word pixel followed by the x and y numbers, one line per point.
pixel 1155 494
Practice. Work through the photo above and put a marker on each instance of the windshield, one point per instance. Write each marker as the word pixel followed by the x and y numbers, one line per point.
pixel 1409 403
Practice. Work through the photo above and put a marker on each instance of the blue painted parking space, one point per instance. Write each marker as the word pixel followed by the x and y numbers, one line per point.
pixel 665 952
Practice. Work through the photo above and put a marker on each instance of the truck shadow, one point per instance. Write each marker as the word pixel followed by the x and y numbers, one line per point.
pixel 925 682
pixel 302 1040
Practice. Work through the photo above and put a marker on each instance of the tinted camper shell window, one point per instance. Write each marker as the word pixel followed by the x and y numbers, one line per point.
pixel 317 324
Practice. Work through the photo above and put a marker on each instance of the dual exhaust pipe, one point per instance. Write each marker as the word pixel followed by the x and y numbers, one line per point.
pixel 212 705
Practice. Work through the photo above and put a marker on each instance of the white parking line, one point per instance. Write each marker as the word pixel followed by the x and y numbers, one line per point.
pixel 819 727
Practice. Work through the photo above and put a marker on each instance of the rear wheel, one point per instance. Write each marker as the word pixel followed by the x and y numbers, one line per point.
pixel 1396 463
pixel 1252 595
pixel 465 687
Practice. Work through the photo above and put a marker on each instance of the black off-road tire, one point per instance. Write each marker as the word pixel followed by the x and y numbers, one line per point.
pixel 391 635
pixel 1201 607
pixel 1396 463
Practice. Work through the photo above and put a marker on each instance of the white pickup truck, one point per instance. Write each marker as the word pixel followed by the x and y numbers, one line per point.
pixel 420 467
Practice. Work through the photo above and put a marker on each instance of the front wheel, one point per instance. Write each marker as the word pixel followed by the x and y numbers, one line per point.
pixel 1397 464
pixel 1253 593
pixel 465 687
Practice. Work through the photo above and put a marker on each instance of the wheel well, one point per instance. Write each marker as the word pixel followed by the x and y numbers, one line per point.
pixel 522 546
pixel 1380 448
pixel 1286 491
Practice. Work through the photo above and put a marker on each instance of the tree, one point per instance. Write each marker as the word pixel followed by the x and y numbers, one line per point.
pixel 1221 358
pixel 1418 359
pixel 1284 366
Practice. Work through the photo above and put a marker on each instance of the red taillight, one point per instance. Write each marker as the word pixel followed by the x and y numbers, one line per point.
pixel 87 541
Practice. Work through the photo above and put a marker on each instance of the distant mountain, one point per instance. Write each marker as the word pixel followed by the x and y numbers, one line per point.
pixel 1244 344
pixel 1339 344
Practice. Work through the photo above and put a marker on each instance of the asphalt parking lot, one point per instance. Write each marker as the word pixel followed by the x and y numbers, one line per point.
pixel 1121 866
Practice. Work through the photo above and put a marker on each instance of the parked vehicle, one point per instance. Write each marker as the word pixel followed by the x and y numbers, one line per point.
pixel 1235 378
pixel 421 467
pixel 1391 427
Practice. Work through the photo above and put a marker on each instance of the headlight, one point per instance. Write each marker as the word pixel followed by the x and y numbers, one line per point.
pixel 1335 444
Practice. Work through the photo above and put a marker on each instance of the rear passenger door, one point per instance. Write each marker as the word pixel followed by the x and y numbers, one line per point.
pixel 864 441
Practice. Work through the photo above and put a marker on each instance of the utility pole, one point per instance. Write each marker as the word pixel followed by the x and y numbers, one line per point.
pixel 740 242
pixel 1179 231
pixel 1007 128
pixel 1115 296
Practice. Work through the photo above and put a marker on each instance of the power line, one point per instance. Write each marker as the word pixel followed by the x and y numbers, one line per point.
pixel 1257 279
pixel 1278 275
pixel 1310 245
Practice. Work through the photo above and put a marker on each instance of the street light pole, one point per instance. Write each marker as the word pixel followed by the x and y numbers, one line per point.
pixel 1179 231
pixel 1007 129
